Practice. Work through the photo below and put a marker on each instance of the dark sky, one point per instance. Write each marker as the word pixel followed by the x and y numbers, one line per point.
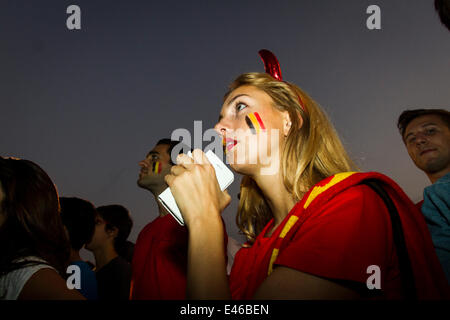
pixel 87 105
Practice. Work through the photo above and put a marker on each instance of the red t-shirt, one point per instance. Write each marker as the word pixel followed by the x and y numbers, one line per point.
pixel 419 205
pixel 342 229
pixel 160 261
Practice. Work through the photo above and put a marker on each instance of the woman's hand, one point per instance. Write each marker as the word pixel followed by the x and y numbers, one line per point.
pixel 195 188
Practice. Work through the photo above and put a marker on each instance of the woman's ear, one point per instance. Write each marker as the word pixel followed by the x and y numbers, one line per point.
pixel 288 123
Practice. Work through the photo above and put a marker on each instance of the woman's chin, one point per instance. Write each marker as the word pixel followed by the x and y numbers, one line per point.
pixel 244 168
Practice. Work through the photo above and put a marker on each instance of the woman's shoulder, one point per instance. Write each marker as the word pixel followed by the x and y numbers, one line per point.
pixel 12 283
pixel 347 186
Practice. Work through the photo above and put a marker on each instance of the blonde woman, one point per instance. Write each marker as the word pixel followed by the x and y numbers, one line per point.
pixel 315 230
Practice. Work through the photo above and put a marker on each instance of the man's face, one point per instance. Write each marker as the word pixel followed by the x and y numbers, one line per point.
pixel 100 236
pixel 427 139
pixel 154 167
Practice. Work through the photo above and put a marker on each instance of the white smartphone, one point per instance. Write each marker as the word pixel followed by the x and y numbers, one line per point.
pixel 224 176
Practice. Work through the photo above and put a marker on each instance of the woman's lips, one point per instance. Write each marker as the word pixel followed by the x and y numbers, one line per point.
pixel 230 143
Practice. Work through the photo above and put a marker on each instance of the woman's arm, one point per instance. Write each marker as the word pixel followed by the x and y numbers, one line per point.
pixel 47 284
pixel 195 188
pixel 286 283
pixel 207 274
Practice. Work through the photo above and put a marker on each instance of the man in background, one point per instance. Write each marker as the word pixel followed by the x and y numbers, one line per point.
pixel 78 217
pixel 426 134
pixel 160 253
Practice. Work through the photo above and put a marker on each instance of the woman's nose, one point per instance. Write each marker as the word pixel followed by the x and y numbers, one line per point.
pixel 222 127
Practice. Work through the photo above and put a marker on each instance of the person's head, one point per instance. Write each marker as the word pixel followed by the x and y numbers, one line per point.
pixel 308 148
pixel 31 222
pixel 156 165
pixel 426 134
pixel 112 227
pixel 443 9
pixel 78 217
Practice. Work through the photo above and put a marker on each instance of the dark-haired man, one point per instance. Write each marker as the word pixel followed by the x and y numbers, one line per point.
pixel 78 217
pixel 426 134
pixel 112 228
pixel 160 254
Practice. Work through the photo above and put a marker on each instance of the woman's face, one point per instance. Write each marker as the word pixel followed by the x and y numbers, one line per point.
pixel 252 130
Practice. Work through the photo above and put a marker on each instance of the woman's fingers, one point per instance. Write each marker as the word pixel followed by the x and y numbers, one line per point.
pixel 177 170
pixel 195 188
pixel 200 157
pixel 184 160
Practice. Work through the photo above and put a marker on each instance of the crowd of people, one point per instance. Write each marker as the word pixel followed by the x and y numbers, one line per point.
pixel 313 227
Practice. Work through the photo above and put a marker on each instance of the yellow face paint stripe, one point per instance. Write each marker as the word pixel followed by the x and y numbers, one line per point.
pixel 318 190
pixel 255 122
pixel 157 167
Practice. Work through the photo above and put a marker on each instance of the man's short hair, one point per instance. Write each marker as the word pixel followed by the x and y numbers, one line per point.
pixel 443 9
pixel 171 144
pixel 117 216
pixel 408 115
pixel 78 216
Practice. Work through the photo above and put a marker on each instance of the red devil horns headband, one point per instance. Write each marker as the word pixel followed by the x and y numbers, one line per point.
pixel 271 64
pixel 272 67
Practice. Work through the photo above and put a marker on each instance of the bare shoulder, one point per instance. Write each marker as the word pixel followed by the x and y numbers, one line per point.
pixel 47 284
pixel 286 283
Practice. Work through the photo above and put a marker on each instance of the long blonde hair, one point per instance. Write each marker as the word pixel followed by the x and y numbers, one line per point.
pixel 311 153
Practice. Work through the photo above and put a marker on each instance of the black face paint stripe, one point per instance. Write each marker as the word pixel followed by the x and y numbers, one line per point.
pixel 250 124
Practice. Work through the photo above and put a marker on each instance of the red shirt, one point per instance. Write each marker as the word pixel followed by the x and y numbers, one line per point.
pixel 339 229
pixel 419 205
pixel 160 261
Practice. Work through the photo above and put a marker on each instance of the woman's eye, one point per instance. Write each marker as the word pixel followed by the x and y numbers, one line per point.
pixel 240 106
pixel 430 131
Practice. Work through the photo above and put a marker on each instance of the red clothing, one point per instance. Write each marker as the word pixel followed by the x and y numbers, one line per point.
pixel 160 261
pixel 337 231
pixel 419 205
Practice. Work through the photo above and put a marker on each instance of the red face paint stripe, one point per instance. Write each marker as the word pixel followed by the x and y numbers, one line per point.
pixel 156 167
pixel 255 122
pixel 261 124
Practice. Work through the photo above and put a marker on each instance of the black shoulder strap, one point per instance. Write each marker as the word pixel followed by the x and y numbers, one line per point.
pixel 406 273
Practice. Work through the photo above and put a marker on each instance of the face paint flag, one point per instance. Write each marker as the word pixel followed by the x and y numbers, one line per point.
pixel 156 167
pixel 254 122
